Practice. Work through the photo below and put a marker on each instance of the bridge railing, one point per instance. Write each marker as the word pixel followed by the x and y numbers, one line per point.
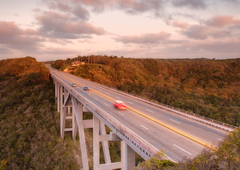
pixel 109 118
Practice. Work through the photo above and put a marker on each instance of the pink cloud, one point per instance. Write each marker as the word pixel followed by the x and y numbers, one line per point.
pixel 63 26
pixel 129 6
pixel 196 4
pixel 178 24
pixel 222 21
pixel 203 32
pixel 9 29
pixel 144 38
pixel 11 36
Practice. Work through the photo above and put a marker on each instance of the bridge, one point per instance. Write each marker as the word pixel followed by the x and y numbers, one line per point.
pixel 144 128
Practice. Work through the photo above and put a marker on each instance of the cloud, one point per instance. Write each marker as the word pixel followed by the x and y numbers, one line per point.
pixel 87 41
pixel 178 24
pixel 11 36
pixel 227 47
pixel 149 38
pixel 129 6
pixel 71 8
pixel 11 29
pixel 203 32
pixel 64 26
pixel 222 21
pixel 195 4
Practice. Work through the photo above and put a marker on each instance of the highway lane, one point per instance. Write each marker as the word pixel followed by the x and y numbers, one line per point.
pixel 175 145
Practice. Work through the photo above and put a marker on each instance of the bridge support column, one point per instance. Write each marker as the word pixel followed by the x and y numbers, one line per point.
pixel 96 158
pixel 56 91
pixel 61 109
pixel 129 158
pixel 78 111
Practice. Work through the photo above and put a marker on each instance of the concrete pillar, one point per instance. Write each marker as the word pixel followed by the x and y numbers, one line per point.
pixel 78 111
pixel 56 85
pixel 123 155
pixel 62 129
pixel 129 157
pixel 74 125
pixel 58 98
pixel 60 106
pixel 96 158
pixel 105 144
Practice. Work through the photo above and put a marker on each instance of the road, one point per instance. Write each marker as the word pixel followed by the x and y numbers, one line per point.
pixel 174 145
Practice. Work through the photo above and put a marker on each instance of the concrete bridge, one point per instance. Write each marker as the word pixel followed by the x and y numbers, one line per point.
pixel 145 128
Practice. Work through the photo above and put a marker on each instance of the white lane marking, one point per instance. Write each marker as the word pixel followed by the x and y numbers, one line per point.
pixel 106 104
pixel 144 127
pixel 130 102
pixel 121 113
pixel 89 94
pixel 96 98
pixel 182 149
pixel 219 139
pixel 175 121
pixel 107 92
pixel 118 97
pixel 149 110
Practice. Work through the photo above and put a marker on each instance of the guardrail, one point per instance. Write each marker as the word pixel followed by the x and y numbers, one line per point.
pixel 109 118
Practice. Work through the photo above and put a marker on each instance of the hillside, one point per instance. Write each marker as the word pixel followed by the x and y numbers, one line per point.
pixel 206 87
pixel 29 124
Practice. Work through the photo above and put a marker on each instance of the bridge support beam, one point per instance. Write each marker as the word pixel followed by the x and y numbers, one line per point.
pixel 105 144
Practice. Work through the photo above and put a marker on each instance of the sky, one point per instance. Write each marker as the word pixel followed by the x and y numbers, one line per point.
pixel 61 29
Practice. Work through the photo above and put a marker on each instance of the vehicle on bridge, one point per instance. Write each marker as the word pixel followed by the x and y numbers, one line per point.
pixel 74 85
pixel 119 105
pixel 86 88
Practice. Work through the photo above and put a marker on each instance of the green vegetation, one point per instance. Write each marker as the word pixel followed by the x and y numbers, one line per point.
pixel 29 123
pixel 206 87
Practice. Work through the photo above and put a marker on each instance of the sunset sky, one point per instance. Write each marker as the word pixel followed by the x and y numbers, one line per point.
pixel 61 29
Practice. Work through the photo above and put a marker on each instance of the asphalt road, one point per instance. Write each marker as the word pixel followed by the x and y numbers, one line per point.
pixel 174 145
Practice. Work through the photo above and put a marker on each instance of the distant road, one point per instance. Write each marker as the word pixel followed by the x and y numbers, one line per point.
pixel 174 145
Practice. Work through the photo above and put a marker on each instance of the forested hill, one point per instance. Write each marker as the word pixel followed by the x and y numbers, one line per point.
pixel 29 124
pixel 206 87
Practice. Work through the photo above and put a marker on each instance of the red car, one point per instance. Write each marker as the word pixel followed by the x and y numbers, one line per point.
pixel 119 104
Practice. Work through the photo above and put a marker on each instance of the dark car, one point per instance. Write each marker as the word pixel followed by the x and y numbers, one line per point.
pixel 86 88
